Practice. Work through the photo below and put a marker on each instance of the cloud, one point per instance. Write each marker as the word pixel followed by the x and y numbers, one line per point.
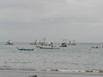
pixel 32 10
pixel 48 18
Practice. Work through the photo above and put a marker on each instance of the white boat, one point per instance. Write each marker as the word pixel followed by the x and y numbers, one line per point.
pixel 9 42
pixel 48 47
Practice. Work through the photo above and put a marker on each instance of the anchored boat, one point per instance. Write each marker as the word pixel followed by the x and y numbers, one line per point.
pixel 48 47
pixel 25 49
pixel 9 42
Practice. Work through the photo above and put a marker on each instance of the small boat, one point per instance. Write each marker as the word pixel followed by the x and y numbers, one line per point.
pixel 25 49
pixel 9 42
pixel 48 47
pixel 95 47
pixel 63 45
pixel 72 43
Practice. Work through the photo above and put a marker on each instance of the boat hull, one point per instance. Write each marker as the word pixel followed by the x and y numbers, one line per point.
pixel 23 49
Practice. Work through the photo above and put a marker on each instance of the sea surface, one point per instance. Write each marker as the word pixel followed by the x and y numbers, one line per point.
pixel 79 57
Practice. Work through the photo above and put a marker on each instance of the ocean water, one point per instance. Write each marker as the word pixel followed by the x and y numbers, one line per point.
pixel 79 57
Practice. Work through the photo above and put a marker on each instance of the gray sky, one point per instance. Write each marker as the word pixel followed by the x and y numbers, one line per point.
pixel 54 19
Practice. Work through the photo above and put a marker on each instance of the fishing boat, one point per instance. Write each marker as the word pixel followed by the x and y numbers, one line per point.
pixel 72 43
pixel 63 45
pixel 48 47
pixel 9 42
pixel 25 49
pixel 45 44
pixel 95 47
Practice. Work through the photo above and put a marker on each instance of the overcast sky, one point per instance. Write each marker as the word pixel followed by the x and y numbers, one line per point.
pixel 26 20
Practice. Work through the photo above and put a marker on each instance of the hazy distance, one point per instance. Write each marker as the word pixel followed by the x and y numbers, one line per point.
pixel 27 20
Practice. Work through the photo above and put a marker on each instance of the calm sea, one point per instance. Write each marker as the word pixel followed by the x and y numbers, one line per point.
pixel 78 57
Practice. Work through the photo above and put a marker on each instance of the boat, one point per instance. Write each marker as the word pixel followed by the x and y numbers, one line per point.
pixel 9 42
pixel 25 49
pixel 95 47
pixel 48 47
pixel 63 45
pixel 72 43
